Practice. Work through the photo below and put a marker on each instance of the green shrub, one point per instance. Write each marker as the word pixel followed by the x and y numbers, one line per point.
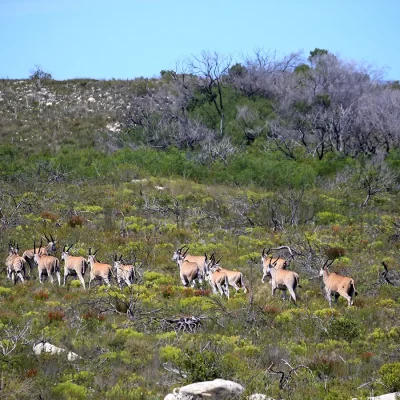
pixel 343 328
pixel 390 375
pixel 70 391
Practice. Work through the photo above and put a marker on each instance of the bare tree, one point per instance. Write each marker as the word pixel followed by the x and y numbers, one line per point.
pixel 211 70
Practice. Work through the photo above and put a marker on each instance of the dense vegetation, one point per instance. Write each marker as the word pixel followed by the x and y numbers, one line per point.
pixel 227 158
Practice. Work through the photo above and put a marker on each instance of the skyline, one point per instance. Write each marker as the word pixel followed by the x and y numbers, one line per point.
pixel 129 39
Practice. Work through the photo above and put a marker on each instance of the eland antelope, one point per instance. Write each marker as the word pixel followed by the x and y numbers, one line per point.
pixel 235 278
pixel 217 278
pixel 15 264
pixel 279 263
pixel 48 264
pixel 284 280
pixel 199 260
pixel 124 272
pixel 98 270
pixel 337 285
pixel 46 250
pixel 74 265
pixel 189 271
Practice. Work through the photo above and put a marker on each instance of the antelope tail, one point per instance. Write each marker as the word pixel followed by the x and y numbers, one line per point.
pixel 353 288
pixel 298 281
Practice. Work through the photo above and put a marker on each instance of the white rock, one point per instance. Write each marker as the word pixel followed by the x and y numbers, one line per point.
pixel 218 389
pixel 47 347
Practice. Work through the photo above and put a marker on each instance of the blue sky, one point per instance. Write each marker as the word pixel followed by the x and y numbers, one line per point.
pixel 125 39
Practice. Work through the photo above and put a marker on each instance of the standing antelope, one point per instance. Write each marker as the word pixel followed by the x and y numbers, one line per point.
pixel 337 285
pixel 98 270
pixel 48 264
pixel 199 260
pixel 217 278
pixel 235 278
pixel 279 263
pixel 124 272
pixel 284 280
pixel 74 265
pixel 47 250
pixel 189 271
pixel 15 264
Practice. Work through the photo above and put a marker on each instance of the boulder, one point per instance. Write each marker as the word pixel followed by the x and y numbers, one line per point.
pixel 47 347
pixel 218 389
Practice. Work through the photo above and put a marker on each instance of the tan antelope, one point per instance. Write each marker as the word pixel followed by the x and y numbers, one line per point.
pixel 74 265
pixel 124 272
pixel 12 253
pixel 48 264
pixel 284 280
pixel 97 269
pixel 279 263
pixel 199 260
pixel 218 279
pixel 189 271
pixel 235 278
pixel 49 249
pixel 15 264
pixel 337 285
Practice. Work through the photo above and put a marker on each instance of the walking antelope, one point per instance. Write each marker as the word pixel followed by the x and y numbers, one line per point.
pixel 98 270
pixel 47 250
pixel 189 271
pixel 266 261
pixel 199 260
pixel 124 272
pixel 15 264
pixel 235 278
pixel 74 265
pixel 337 285
pixel 284 280
pixel 48 264
pixel 217 278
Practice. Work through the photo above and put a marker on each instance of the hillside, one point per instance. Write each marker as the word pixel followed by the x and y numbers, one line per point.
pixel 141 168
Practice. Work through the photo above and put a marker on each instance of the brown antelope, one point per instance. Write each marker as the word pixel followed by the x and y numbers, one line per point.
pixel 189 271
pixel 337 285
pixel 98 270
pixel 124 272
pixel 235 278
pixel 48 264
pixel 15 264
pixel 74 265
pixel 199 260
pixel 217 278
pixel 284 280
pixel 279 263
pixel 47 250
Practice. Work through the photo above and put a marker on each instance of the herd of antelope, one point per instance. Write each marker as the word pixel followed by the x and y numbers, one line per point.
pixel 192 269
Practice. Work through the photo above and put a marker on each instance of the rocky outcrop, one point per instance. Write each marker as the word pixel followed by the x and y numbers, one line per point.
pixel 218 389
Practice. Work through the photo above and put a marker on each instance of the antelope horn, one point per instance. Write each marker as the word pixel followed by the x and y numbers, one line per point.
pixel 96 252
pixel 52 239
pixel 69 248
pixel 48 240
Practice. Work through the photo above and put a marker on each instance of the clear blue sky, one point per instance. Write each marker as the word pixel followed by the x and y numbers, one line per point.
pixel 131 38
